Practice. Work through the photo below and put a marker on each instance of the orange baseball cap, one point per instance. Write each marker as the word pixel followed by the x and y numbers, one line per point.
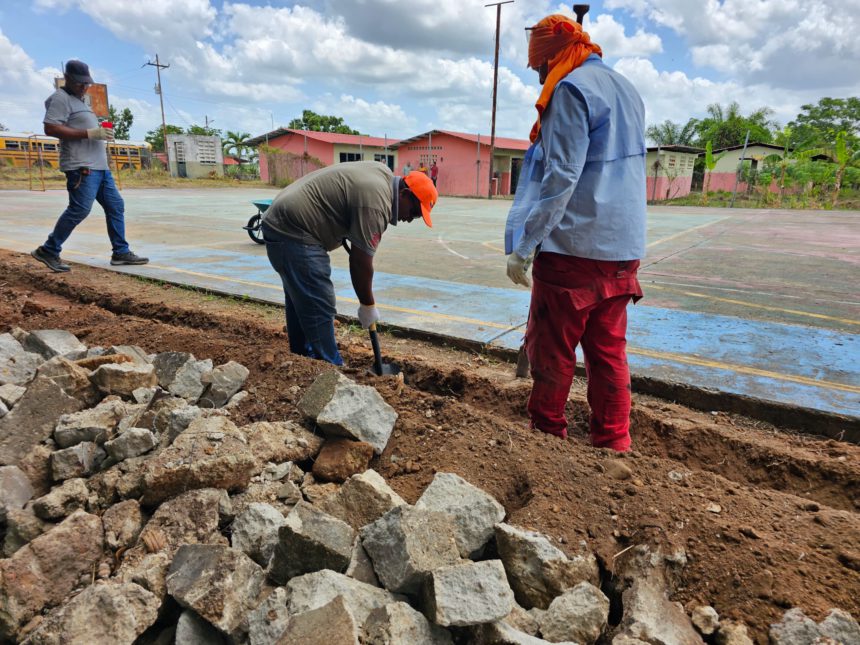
pixel 422 187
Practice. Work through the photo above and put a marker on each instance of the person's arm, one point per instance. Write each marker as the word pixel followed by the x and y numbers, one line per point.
pixel 565 139
pixel 361 272
pixel 64 132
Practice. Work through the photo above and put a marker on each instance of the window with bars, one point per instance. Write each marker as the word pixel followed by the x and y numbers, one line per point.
pixel 350 156
pixel 206 152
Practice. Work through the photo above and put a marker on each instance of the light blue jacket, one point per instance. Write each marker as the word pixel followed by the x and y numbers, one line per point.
pixel 582 186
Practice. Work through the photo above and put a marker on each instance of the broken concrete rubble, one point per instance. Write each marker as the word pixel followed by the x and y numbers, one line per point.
pixel 15 491
pixel 55 342
pixel 222 383
pixel 363 499
pixel 123 378
pixel 342 408
pixel 471 593
pixel 331 623
pixel 93 424
pixel 122 524
pixel 134 442
pixel 62 500
pixel 340 459
pixel 579 614
pixel 10 394
pixel 80 460
pixel 255 532
pixel 188 381
pixel 398 623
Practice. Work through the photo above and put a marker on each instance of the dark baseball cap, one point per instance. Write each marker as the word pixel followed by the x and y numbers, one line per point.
pixel 78 71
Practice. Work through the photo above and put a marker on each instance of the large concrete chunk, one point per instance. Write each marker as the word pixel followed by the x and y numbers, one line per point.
pixel 268 621
pixel 41 574
pixel 95 424
pixel 81 460
pixel 501 633
pixel 211 453
pixel 103 614
pixel 342 408
pixel 131 443
pixel 17 367
pixel 840 626
pixel 475 512
pixel 15 490
pixel 167 364
pixel 363 499
pixel 314 590
pixel 222 383
pixel 123 378
pixel 188 381
pixel 55 342
pixel 579 614
pixel 466 594
pixel 255 532
pixel 537 570
pixel 62 500
pixel 281 441
pixel 331 623
pixel 795 628
pixel 33 419
pixel 22 526
pixel 72 378
pixel 406 544
pixel 219 583
pixel 193 630
pixel 398 624
pixel 308 541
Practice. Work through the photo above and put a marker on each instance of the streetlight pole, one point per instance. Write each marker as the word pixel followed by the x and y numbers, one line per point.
pixel 498 6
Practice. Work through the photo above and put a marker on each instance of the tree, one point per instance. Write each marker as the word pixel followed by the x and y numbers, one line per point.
pixel 203 131
pixel 3 128
pixel 710 164
pixel 236 144
pixel 156 137
pixel 320 123
pixel 671 133
pixel 725 127
pixel 817 125
pixel 844 155
pixel 121 122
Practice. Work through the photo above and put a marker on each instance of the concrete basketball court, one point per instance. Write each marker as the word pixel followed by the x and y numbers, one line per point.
pixel 755 302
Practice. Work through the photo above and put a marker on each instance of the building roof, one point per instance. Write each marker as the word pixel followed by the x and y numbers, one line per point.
pixel 501 142
pixel 675 148
pixel 750 145
pixel 325 137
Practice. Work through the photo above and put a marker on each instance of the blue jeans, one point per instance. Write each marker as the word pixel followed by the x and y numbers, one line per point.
pixel 305 271
pixel 83 191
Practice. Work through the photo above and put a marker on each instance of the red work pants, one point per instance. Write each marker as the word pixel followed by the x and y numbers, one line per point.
pixel 581 301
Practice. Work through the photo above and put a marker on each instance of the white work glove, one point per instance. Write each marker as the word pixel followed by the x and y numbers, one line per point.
pixel 367 315
pixel 100 134
pixel 518 269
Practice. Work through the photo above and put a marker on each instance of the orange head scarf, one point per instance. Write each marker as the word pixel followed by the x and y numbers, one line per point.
pixel 561 43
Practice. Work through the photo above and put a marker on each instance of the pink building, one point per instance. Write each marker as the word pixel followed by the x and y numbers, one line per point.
pixel 328 147
pixel 724 173
pixel 463 161
pixel 669 171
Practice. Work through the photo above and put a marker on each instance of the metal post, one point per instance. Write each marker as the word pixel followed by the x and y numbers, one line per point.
pixel 656 173
pixel 738 171
pixel 478 172
pixel 498 6
pixel 158 66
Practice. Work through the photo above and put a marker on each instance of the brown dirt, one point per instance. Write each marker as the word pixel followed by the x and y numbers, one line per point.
pixel 788 503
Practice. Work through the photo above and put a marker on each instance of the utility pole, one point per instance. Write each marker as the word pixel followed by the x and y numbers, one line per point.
pixel 498 6
pixel 158 67
pixel 739 169
pixel 206 119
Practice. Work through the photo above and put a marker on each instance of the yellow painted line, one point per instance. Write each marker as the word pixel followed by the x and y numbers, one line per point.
pixel 753 305
pixel 742 369
pixel 489 245
pixel 684 232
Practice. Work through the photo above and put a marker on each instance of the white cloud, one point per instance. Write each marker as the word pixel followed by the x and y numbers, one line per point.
pixel 611 36
pixel 23 88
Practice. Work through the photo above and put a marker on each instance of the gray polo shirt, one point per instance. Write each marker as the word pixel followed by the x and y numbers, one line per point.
pixel 64 109
pixel 347 200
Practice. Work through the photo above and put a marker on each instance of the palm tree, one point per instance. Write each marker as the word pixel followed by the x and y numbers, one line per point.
pixel 844 156
pixel 671 133
pixel 236 144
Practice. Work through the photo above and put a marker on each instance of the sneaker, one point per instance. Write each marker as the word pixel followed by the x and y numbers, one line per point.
pixel 127 258
pixel 53 262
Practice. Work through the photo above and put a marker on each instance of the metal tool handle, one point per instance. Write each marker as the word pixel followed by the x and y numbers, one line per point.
pixel 580 10
pixel 377 352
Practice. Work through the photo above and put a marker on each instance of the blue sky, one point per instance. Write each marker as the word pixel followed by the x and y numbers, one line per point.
pixel 395 68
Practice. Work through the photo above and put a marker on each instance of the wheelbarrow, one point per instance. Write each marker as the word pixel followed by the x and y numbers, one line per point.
pixel 254 227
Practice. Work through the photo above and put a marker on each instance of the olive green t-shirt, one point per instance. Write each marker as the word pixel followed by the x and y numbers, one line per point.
pixel 347 200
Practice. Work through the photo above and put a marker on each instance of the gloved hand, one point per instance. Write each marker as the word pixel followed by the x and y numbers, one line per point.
pixel 100 134
pixel 518 268
pixel 367 315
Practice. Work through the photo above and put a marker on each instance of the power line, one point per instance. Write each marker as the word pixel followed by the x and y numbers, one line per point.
pixel 158 67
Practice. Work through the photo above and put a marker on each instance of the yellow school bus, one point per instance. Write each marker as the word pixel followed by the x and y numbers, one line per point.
pixel 25 150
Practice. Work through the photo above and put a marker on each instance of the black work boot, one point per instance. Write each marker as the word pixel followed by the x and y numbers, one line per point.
pixel 53 262
pixel 127 258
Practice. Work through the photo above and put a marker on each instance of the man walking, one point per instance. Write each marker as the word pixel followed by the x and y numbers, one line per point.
pixel 434 172
pixel 585 229
pixel 83 158
pixel 320 212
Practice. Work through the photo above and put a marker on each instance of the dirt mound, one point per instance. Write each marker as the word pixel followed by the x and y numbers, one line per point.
pixel 769 519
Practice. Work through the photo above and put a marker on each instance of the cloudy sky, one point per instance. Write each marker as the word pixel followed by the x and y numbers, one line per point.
pixel 399 68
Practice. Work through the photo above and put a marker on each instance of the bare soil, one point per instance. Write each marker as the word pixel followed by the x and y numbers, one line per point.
pixel 769 519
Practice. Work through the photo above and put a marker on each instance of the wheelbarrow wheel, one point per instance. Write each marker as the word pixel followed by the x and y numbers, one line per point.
pixel 255 229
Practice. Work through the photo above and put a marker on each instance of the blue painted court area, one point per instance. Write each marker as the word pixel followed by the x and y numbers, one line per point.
pixel 734 326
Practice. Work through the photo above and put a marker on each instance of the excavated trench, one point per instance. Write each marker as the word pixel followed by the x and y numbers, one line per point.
pixel 796 495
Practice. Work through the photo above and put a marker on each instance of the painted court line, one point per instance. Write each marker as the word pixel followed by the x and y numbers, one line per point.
pixel 689 230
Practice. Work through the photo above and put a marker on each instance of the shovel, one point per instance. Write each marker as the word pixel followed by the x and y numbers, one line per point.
pixel 380 368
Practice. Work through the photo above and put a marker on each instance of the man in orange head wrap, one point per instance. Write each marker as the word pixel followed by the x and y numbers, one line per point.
pixel 584 227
